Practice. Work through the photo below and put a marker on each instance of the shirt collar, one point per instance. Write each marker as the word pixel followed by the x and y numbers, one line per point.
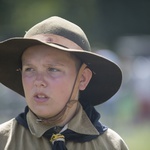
pixel 80 123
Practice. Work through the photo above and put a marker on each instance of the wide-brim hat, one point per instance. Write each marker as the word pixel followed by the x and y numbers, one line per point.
pixel 107 76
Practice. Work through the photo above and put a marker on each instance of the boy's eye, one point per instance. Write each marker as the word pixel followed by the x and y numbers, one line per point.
pixel 53 69
pixel 28 69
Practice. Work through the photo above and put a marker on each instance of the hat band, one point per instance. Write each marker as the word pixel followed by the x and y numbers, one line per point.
pixel 56 39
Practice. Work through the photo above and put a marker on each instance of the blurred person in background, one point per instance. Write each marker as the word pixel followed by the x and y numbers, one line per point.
pixel 53 67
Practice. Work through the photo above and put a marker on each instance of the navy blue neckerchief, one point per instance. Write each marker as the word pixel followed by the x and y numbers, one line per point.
pixel 70 135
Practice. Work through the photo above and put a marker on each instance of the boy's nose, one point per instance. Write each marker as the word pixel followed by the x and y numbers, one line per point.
pixel 39 81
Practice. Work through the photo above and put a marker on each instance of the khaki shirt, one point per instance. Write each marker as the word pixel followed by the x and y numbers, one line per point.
pixel 14 136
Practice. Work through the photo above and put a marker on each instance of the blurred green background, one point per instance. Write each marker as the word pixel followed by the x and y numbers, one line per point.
pixel 119 30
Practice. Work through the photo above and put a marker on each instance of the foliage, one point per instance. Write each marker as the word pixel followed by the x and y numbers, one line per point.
pixel 103 21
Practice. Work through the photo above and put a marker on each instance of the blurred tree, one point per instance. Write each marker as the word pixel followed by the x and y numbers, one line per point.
pixel 103 20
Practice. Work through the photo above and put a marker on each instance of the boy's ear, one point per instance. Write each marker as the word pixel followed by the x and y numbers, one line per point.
pixel 85 79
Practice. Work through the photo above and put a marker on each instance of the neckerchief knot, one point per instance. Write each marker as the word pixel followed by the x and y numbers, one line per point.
pixel 57 137
pixel 58 142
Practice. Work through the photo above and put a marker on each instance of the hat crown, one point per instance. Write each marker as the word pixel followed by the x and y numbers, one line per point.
pixel 59 26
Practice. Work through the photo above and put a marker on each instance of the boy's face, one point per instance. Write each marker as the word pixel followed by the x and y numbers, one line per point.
pixel 48 76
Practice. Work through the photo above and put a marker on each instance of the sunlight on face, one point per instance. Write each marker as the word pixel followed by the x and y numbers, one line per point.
pixel 48 76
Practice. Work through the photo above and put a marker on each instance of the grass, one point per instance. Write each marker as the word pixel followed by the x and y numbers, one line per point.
pixel 138 137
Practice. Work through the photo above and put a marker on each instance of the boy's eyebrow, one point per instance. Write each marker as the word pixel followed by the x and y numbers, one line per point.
pixel 55 62
pixel 47 64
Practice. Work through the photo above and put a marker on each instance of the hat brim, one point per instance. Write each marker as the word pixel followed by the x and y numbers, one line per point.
pixel 104 84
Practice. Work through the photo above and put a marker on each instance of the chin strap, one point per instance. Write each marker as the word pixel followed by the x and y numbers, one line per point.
pixel 77 82
pixel 72 100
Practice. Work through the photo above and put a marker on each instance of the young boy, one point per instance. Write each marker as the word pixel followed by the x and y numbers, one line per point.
pixel 53 67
